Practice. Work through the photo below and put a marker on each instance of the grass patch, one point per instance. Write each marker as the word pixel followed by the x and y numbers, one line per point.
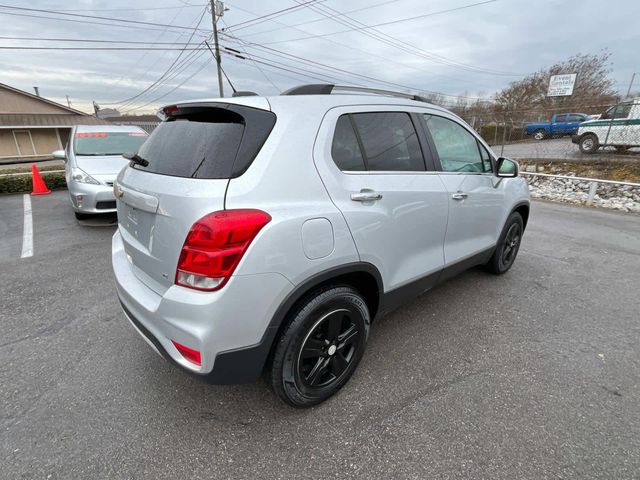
pixel 22 183
pixel 624 171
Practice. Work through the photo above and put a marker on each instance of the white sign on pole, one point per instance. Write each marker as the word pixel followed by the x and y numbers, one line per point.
pixel 561 85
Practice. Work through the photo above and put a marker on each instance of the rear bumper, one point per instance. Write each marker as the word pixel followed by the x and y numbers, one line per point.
pixel 87 198
pixel 230 327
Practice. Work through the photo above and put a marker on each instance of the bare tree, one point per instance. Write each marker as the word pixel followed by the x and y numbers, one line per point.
pixel 527 99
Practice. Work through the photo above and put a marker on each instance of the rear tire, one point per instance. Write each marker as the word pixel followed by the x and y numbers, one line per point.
pixel 82 216
pixel 508 245
pixel 589 143
pixel 539 134
pixel 321 347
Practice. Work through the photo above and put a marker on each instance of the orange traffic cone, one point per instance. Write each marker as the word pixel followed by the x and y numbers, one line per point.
pixel 39 187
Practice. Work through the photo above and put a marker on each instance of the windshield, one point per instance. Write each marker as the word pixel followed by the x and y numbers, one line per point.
pixel 107 143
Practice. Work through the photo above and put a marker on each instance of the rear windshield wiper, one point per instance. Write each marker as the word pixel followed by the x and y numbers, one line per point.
pixel 137 159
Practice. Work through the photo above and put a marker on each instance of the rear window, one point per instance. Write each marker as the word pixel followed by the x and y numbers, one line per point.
pixel 107 143
pixel 207 142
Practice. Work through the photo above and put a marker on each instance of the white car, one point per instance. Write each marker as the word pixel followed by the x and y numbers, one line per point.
pixel 93 158
pixel 266 234
pixel 618 127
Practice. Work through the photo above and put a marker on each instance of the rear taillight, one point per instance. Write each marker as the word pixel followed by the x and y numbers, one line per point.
pixel 214 246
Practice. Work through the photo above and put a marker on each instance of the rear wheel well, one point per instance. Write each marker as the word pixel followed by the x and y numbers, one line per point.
pixel 364 282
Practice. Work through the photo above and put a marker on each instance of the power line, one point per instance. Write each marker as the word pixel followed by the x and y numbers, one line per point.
pixel 347 72
pixel 269 16
pixel 280 53
pixel 173 89
pixel 361 27
pixel 368 7
pixel 407 19
pixel 221 69
pixel 255 64
pixel 160 49
pixel 97 17
pixel 89 22
pixel 351 47
pixel 180 67
pixel 91 40
pixel 204 10
pixel 126 9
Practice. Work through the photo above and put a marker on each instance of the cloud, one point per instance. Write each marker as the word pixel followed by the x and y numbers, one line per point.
pixel 454 50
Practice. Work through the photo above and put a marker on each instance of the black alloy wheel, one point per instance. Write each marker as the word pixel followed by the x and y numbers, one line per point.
pixel 321 346
pixel 511 245
pixel 507 246
pixel 328 349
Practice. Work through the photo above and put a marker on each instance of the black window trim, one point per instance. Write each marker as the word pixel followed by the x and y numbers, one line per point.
pixel 436 157
pixel 427 160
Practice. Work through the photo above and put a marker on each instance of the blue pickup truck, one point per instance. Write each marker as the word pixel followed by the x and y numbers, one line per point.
pixel 560 124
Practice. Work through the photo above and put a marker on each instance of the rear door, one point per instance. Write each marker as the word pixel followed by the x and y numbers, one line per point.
pixel 378 171
pixel 191 158
pixel 476 201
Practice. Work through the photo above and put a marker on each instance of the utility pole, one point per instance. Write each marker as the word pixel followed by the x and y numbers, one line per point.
pixel 217 10
pixel 68 101
pixel 96 108
pixel 633 77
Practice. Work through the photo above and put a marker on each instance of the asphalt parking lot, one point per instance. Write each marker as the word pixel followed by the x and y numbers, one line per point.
pixel 535 374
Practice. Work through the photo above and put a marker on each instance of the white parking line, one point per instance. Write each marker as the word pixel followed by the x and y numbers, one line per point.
pixel 27 231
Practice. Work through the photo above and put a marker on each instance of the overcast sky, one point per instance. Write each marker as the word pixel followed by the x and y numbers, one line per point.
pixel 471 51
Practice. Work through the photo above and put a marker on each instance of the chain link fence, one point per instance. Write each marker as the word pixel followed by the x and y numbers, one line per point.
pixel 535 133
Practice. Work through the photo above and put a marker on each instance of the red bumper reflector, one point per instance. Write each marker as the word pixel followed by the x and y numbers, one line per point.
pixel 188 353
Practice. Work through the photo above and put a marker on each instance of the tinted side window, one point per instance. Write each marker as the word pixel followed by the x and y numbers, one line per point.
pixel 390 141
pixel 457 148
pixel 345 149
pixel 561 118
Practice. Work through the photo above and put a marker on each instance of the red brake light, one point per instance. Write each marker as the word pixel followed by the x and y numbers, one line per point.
pixel 215 245
pixel 170 109
pixel 188 353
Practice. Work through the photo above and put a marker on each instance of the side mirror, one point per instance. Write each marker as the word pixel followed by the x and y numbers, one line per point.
pixel 506 168
pixel 59 155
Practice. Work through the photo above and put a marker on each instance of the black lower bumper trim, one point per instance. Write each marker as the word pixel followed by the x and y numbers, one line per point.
pixel 242 365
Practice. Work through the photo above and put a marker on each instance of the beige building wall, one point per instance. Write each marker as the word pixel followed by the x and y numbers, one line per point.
pixel 43 140
pixel 13 102
pixel 7 144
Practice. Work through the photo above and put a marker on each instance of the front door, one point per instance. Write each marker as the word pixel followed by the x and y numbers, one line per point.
pixel 476 201
pixel 395 205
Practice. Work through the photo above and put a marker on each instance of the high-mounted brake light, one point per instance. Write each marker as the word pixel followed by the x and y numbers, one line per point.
pixel 215 245
pixel 170 109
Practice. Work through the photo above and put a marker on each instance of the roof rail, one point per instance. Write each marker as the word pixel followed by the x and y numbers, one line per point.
pixel 327 89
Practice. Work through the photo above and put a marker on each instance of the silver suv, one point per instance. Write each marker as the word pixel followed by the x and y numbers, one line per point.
pixel 265 234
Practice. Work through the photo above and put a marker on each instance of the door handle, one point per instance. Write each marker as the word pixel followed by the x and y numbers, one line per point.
pixel 366 196
pixel 459 195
